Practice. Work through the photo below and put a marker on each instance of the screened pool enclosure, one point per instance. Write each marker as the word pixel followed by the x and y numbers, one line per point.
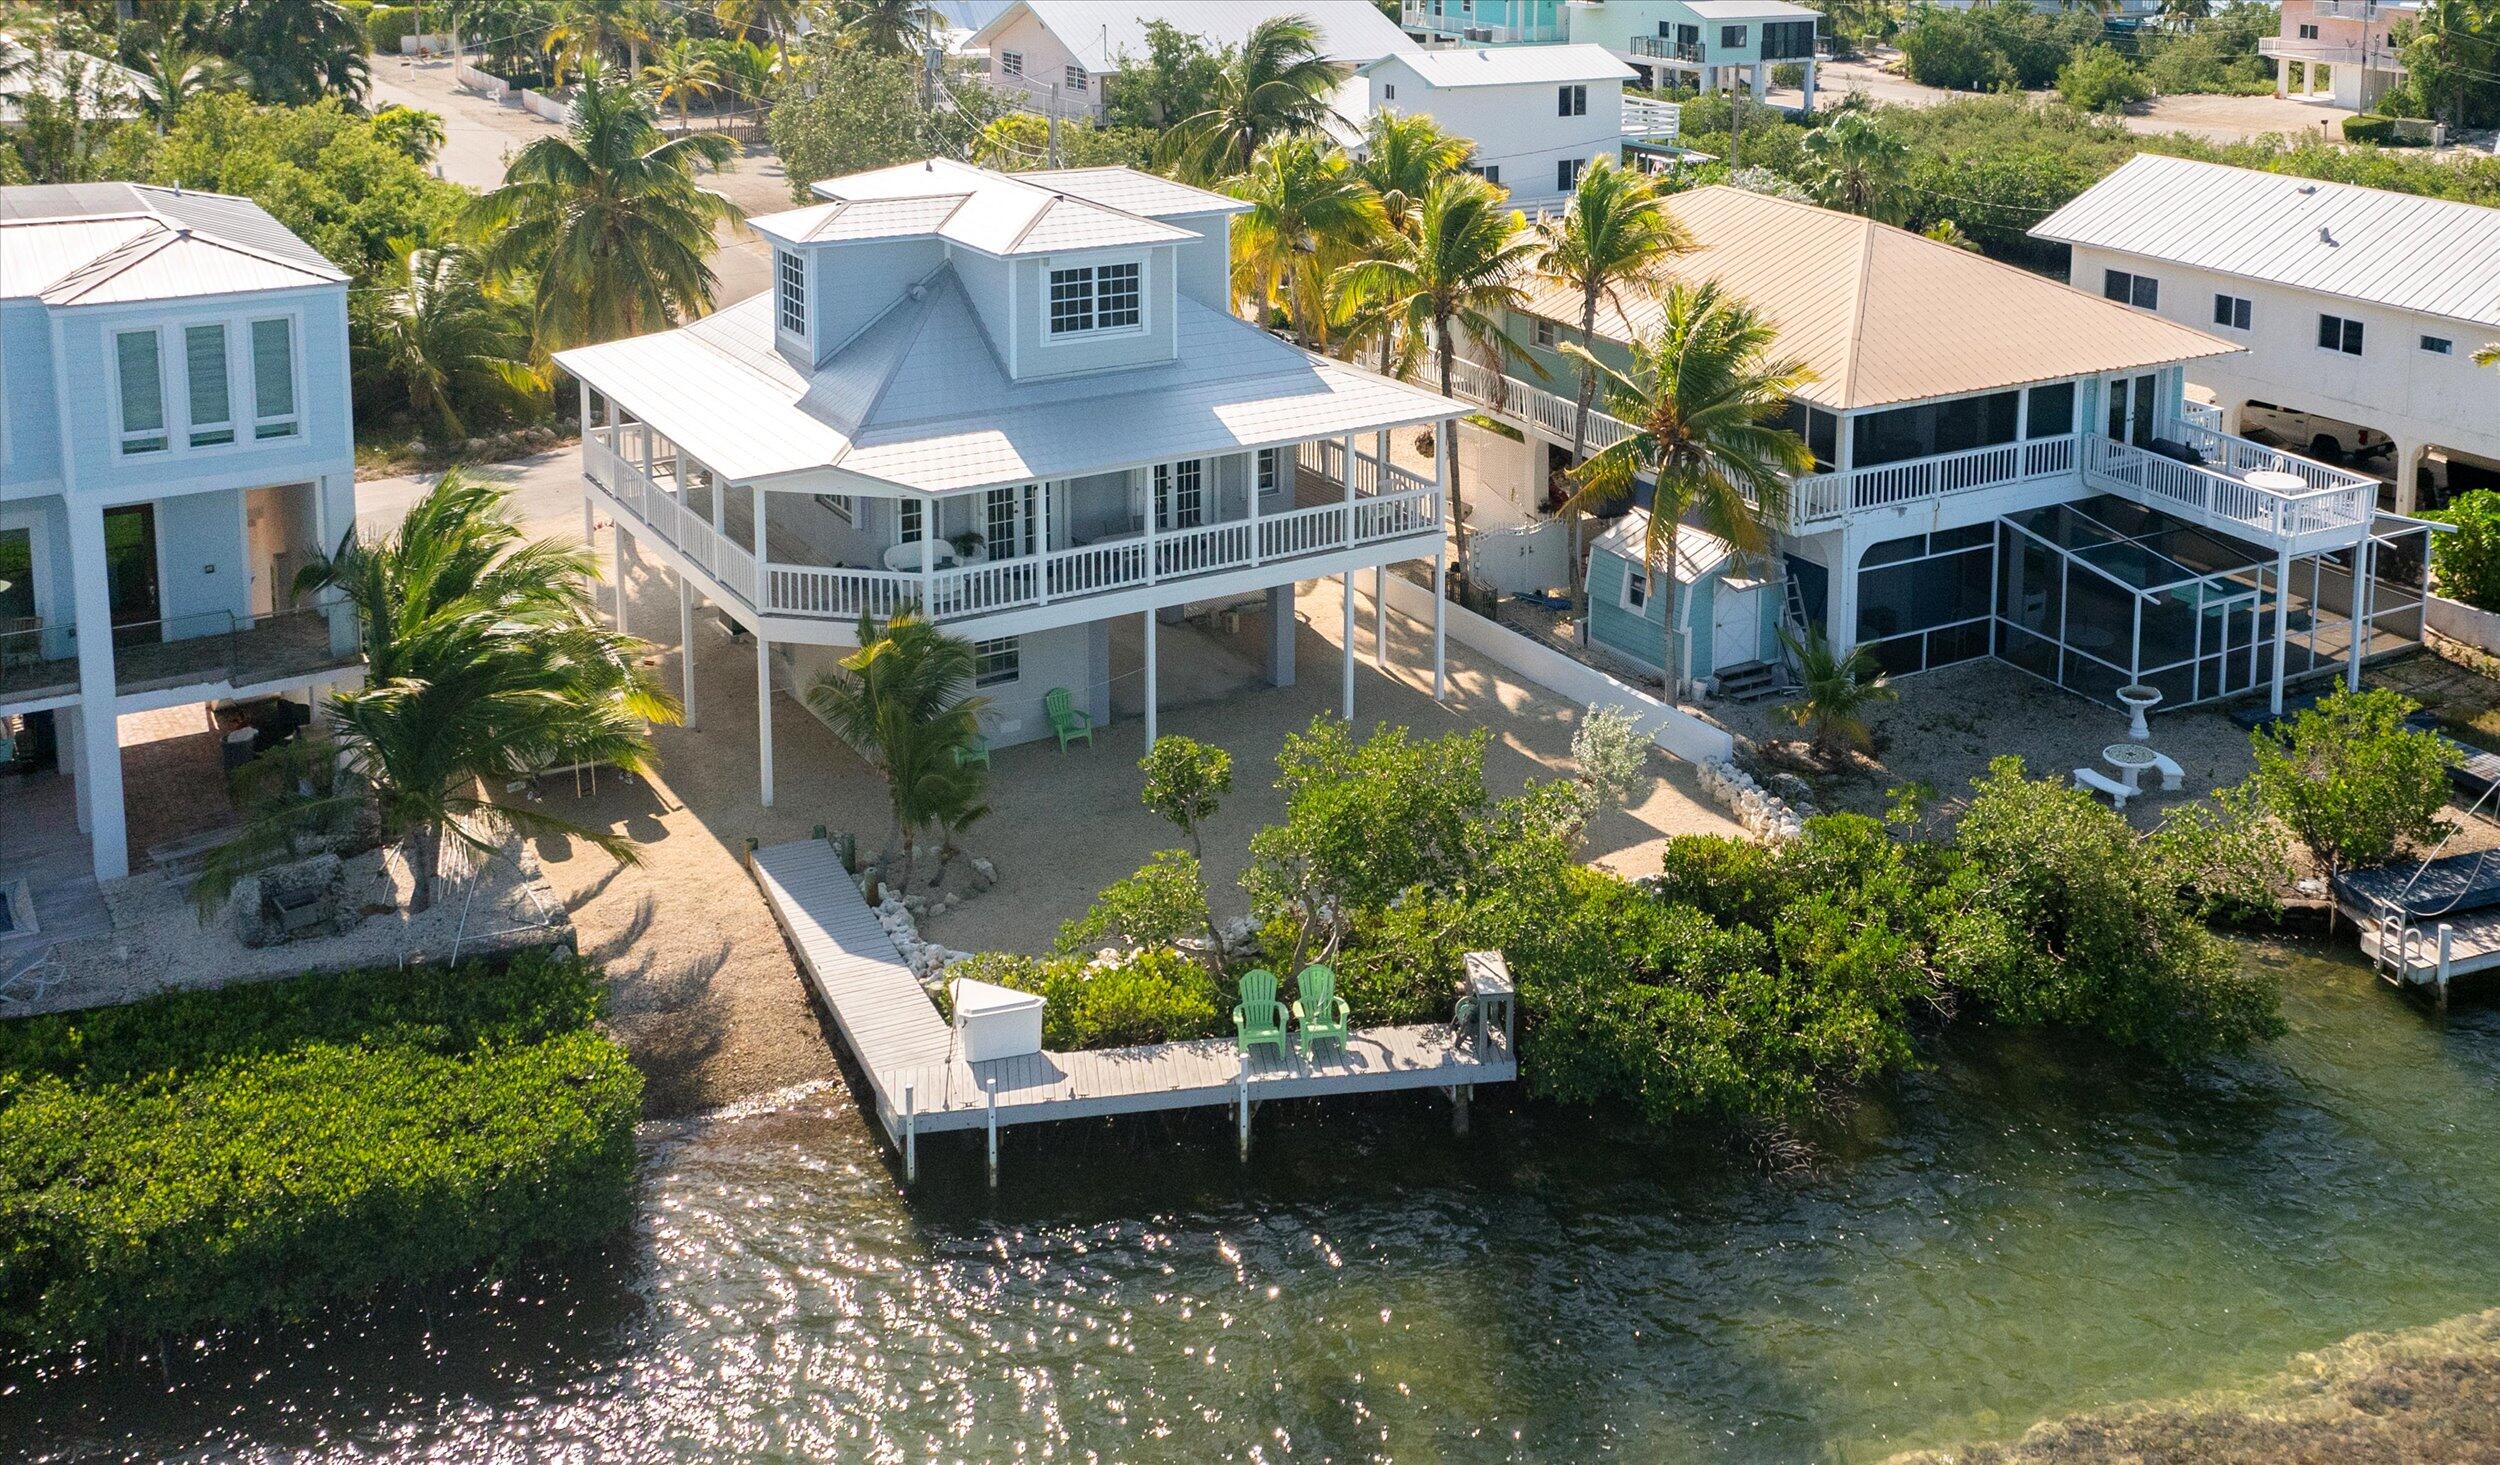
pixel 2103 593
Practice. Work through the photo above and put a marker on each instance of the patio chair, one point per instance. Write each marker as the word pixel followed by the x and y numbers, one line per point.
pixel 1258 1022
pixel 975 751
pixel 1317 1009
pixel 1066 719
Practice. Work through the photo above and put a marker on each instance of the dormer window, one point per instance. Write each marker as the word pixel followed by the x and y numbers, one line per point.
pixel 793 292
pixel 1092 298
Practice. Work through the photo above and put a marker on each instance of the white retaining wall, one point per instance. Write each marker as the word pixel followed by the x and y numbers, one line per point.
pixel 485 84
pixel 2458 621
pixel 1671 727
pixel 551 108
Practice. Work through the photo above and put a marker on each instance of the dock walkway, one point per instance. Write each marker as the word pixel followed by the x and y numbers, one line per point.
pixel 921 1087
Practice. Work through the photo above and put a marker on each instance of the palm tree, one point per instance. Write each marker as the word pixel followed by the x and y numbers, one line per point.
pixel 1945 231
pixel 588 32
pixel 1305 203
pixel 2489 355
pixel 294 51
pixel 1852 163
pixel 902 701
pixel 484 662
pixel 1834 692
pixel 884 27
pixel 608 215
pixel 2184 15
pixel 681 72
pixel 1457 271
pixel 413 130
pixel 173 74
pixel 1700 398
pixel 1402 153
pixel 1276 85
pixel 444 343
pixel 777 19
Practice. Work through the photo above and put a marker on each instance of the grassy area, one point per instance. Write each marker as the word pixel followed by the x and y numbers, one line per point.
pixel 208 1158
pixel 2426 1394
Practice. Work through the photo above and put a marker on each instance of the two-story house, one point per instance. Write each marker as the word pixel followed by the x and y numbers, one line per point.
pixel 2004 466
pixel 2360 309
pixel 1019 405
pixel 1537 114
pixel 1055 56
pixel 1704 45
pixel 175 442
pixel 2337 51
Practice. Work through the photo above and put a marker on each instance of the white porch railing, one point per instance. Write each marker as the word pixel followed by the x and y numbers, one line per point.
pixel 2203 415
pixel 1646 119
pixel 1830 496
pixel 2160 482
pixel 1390 503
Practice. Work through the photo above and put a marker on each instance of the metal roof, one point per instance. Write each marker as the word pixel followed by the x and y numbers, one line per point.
pixel 2431 255
pixel 1099 32
pixel 1883 316
pixel 1131 191
pixel 1751 10
pixel 994 213
pixel 103 243
pixel 920 400
pixel 1697 551
pixel 1465 66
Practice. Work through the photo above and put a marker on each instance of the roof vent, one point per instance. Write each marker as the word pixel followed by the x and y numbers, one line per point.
pixel 2308 188
pixel 2323 236
pixel 918 292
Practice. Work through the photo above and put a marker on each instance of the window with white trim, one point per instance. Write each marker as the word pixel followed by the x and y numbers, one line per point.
pixel 274 409
pixel 139 365
pixel 1731 38
pixel 1097 298
pixel 1635 588
pixel 793 275
pixel 1489 172
pixel 1548 334
pixel 1011 63
pixel 2308 32
pixel 1388 91
pixel 907 521
pixel 1180 494
pixel 2339 333
pixel 2232 311
pixel 838 505
pixel 996 663
pixel 2439 345
pixel 1566 174
pixel 999 522
pixel 1271 470
pixel 208 386
pixel 2140 291
pixel 1076 78
pixel 1571 101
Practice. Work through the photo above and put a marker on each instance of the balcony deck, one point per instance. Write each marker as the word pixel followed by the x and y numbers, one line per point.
pixel 1391 509
pixel 40 663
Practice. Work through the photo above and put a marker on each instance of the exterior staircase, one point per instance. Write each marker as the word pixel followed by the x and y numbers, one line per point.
pixel 1747 682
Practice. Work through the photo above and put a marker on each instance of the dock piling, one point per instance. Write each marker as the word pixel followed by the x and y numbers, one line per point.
pixel 1459 1094
pixel 1244 1108
pixel 2447 942
pixel 993 1139
pixel 911 1136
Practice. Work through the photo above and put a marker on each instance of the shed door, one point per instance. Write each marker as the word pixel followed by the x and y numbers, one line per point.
pixel 1736 627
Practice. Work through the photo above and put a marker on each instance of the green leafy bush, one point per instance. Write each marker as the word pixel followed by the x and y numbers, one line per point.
pixel 2098 79
pixel 2363 127
pixel 387 25
pixel 2351 780
pixel 212 1157
pixel 1144 997
pixel 2467 563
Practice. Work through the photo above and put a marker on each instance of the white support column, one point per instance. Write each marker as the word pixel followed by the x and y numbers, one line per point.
pixel 1380 616
pixel 1257 553
pixel 764 715
pixel 1345 584
pixel 2282 615
pixel 1154 511
pixel 685 646
pixel 763 549
pixel 1041 537
pixel 928 552
pixel 616 557
pixel 1152 696
pixel 99 727
pixel 1440 614
pixel 2357 604
pixel 1349 519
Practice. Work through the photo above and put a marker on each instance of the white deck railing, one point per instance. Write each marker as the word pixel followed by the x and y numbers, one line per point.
pixel 1391 503
pixel 1646 119
pixel 2344 501
pixel 1823 497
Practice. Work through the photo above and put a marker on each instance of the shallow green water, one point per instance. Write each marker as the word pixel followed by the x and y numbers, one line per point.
pixel 2031 1227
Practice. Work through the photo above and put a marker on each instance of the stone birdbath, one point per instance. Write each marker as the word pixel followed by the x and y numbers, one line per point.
pixel 2138 700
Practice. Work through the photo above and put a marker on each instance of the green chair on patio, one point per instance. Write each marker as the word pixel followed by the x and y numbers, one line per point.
pixel 1259 1022
pixel 1317 1009
pixel 1066 720
pixel 977 750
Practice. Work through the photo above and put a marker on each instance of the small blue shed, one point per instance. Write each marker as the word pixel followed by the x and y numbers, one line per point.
pixel 1731 605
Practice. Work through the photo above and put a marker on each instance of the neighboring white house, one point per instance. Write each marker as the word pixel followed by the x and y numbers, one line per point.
pixel 2359 308
pixel 1018 404
pixel 89 88
pixel 1537 114
pixel 2004 466
pixel 1055 55
pixel 1705 45
pixel 175 442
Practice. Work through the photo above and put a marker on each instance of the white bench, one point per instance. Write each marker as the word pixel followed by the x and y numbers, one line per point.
pixel 2172 775
pixel 2099 782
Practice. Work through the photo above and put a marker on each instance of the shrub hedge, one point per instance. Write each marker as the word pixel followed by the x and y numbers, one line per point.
pixel 1155 996
pixel 207 1158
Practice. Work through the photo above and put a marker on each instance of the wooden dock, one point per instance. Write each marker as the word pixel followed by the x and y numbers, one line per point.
pixel 921 1087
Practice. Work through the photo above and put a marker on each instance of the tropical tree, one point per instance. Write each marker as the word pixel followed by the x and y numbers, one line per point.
pixel 608 216
pixel 1834 692
pixel 413 130
pixel 902 701
pixel 1701 398
pixel 589 32
pixel 2489 355
pixel 2183 16
pixel 885 27
pixel 1945 231
pixel 1275 85
pixel 1402 153
pixel 173 74
pixel 442 342
pixel 293 51
pixel 1458 271
pixel 776 19
pixel 1305 204
pixel 484 662
pixel 681 72
pixel 1852 163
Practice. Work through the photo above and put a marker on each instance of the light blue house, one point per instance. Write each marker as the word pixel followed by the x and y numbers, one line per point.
pixel 1731 605
pixel 175 442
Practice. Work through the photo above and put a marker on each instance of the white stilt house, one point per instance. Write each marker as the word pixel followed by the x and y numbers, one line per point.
pixel 1017 404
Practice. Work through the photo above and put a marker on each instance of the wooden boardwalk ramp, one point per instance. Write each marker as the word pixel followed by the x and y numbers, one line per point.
pixel 921 1087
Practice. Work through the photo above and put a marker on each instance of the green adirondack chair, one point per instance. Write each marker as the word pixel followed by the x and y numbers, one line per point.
pixel 1065 718
pixel 975 751
pixel 1321 1014
pixel 1259 1021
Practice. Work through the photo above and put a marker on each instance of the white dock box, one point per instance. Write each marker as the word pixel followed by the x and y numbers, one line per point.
pixel 996 1022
